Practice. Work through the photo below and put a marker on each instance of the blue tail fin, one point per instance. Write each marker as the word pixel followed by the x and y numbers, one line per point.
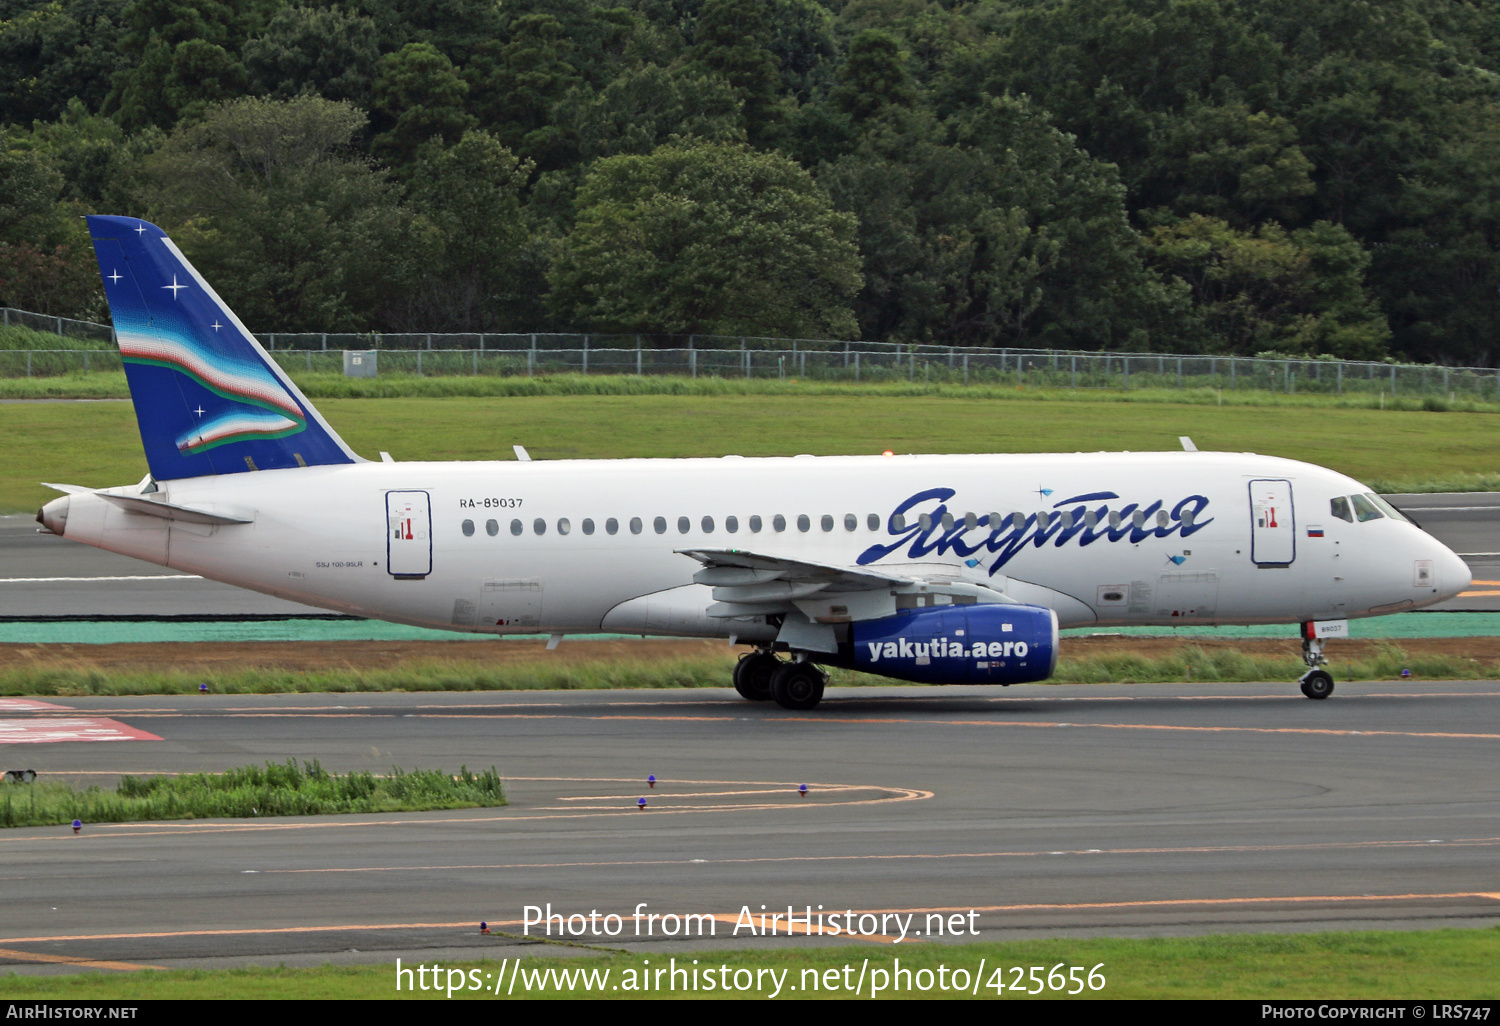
pixel 208 398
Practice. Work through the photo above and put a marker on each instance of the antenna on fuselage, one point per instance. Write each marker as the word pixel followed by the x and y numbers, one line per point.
pixel 521 453
pixel 1187 443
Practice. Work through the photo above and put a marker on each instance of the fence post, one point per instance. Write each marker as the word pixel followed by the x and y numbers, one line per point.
pixel 271 340
pixel 803 372
pixel 28 363
pixel 966 368
pixel 1393 379
pixel 1445 379
pixel 7 316
pixel 85 361
pixel 419 363
pixel 1073 370
pixel 911 364
pixel 325 341
pixel 1341 377
pixel 309 360
pixel 693 361
pixel 1179 374
pixel 856 374
pixel 481 341
pixel 638 356
pixel 585 353
pixel 1125 363
pixel 476 362
pixel 950 357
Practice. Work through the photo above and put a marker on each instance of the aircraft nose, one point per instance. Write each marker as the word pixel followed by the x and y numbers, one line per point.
pixel 1454 575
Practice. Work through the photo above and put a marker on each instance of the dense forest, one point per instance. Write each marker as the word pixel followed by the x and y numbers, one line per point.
pixel 1235 176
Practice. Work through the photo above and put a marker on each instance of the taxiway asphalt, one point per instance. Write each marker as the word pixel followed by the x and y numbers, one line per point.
pixel 1142 809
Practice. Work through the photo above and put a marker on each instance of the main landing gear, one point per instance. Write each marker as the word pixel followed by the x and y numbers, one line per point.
pixel 1316 682
pixel 793 684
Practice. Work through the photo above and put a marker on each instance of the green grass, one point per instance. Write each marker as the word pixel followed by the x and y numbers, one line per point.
pixel 1191 664
pixel 1392 450
pixel 285 789
pixel 1386 965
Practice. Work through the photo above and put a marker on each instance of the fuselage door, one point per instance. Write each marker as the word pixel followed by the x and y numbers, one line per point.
pixel 1273 530
pixel 408 534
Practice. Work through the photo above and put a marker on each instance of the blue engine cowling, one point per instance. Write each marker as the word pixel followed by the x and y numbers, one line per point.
pixel 976 644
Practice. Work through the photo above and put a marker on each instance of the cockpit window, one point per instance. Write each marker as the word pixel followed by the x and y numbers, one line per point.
pixel 1386 508
pixel 1365 509
pixel 1340 508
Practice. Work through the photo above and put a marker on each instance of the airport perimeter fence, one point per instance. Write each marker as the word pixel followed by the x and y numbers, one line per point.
pixel 532 354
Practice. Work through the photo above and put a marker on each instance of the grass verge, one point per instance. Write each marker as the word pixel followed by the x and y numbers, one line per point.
pixel 285 789
pixel 98 444
pixel 1386 965
pixel 75 677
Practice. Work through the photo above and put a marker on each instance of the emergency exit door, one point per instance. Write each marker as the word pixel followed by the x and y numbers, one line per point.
pixel 408 534
pixel 1273 529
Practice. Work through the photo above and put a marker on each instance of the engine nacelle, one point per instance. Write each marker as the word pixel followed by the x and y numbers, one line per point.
pixel 976 644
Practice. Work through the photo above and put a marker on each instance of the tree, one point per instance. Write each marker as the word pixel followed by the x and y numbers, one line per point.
pixel 54 52
pixel 181 56
pixel 1270 289
pixel 421 96
pixel 873 77
pixel 996 229
pixel 325 50
pixel 516 89
pixel 46 261
pixel 479 269
pixel 710 239
pixel 648 107
pixel 733 41
pixel 268 201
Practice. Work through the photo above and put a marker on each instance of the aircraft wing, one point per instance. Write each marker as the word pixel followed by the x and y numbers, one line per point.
pixel 812 597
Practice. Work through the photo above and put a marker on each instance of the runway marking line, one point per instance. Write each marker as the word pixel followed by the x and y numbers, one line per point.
pixel 470 924
pixel 30 705
pixel 749 860
pixel 86 963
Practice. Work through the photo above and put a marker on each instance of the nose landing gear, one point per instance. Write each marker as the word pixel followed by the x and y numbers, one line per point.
pixel 1316 682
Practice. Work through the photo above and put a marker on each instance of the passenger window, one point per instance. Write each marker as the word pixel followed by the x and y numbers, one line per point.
pixel 563 527
pixel 1340 508
pixel 611 526
pixel 1188 518
pixel 994 521
pixel 755 524
pixel 851 522
pixel 492 527
pixel 468 527
pixel 684 525
pixel 708 525
pixel 731 524
pixel 1114 518
pixel 1161 518
pixel 1067 520
pixel 1364 509
pixel 898 521
pixel 925 521
pixel 947 521
pixel 1017 520
pixel 778 522
pixel 803 524
pixel 1090 519
pixel 1138 519
pixel 659 525
pixel 539 525
pixel 1043 520
pixel 516 528
pixel 827 522
pixel 588 526
pixel 971 522
pixel 635 525
pixel 872 521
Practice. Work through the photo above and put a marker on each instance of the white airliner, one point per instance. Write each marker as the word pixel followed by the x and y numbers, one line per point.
pixel 936 569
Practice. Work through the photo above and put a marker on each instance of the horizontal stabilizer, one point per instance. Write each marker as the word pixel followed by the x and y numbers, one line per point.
pixel 173 511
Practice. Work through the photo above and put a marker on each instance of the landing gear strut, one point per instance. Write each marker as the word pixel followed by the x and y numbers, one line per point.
pixel 753 674
pixel 1316 682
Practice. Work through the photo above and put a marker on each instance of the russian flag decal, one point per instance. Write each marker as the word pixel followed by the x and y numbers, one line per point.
pixel 1314 531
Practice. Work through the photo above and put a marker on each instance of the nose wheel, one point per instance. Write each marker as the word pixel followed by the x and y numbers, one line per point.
pixel 1316 682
